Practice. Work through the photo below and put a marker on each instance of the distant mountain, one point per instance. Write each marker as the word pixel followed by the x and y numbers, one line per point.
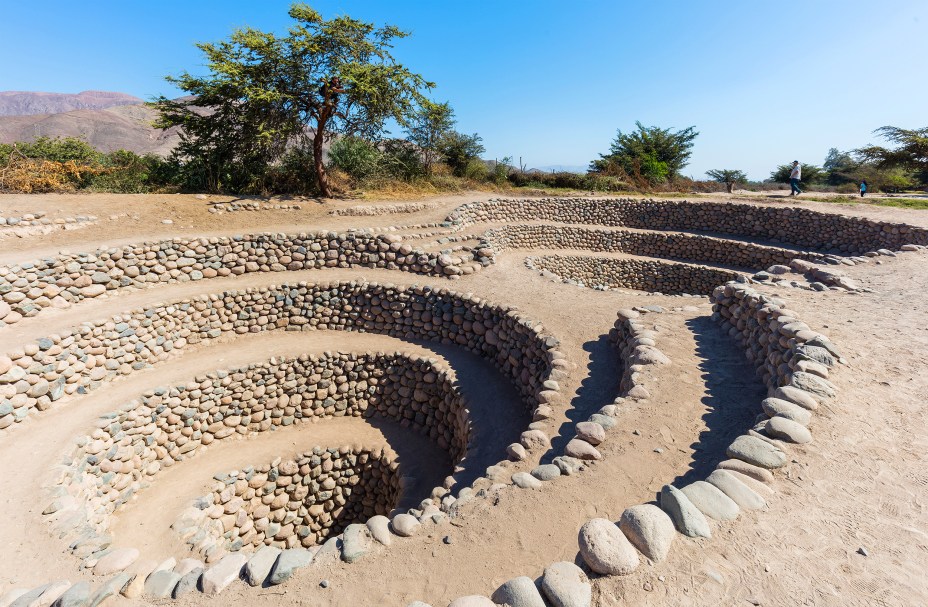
pixel 108 121
pixel 24 103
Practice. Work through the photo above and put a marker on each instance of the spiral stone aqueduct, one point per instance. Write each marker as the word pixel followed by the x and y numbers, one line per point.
pixel 398 410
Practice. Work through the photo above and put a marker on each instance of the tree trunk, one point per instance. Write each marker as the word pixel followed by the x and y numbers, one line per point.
pixel 731 186
pixel 322 178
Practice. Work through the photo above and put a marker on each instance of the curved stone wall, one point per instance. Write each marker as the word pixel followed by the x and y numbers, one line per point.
pixel 169 425
pixel 639 274
pixel 791 225
pixel 27 288
pixel 784 349
pixel 39 374
pixel 685 247
pixel 296 502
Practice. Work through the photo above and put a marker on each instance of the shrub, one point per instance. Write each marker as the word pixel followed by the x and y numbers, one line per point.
pixel 358 158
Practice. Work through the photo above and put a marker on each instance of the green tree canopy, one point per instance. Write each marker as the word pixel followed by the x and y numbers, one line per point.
pixel 429 126
pixel 265 92
pixel 460 150
pixel 910 153
pixel 652 152
pixel 727 176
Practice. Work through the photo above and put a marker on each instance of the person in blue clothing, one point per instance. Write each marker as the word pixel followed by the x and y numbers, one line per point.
pixel 795 176
pixel 863 188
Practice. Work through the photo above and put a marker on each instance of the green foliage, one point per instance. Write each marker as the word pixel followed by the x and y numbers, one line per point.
pixel 460 151
pixel 910 153
pixel 401 160
pixel 429 125
pixel 356 157
pixel 264 94
pixel 651 153
pixel 839 167
pixel 727 176
pixel 569 181
pixel 55 149
pixel 811 174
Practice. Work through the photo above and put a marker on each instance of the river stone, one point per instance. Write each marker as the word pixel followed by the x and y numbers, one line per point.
pixel 109 589
pixel 739 493
pixel 813 384
pixel 753 484
pixel 188 583
pixel 405 525
pixel 788 430
pixel 546 472
pixel 797 396
pixel 605 549
pixel 356 542
pixel 685 516
pixel 473 600
pixel 756 451
pixel 117 560
pixel 581 449
pixel 591 432
pixel 566 585
pixel 76 596
pixel 774 407
pixel 287 563
pixel 525 480
pixel 380 529
pixel 51 593
pixel 187 565
pixel 755 472
pixel 519 592
pixel 160 584
pixel 260 564
pixel 649 529
pixel 223 573
pixel 535 440
pixel 138 572
pixel 711 501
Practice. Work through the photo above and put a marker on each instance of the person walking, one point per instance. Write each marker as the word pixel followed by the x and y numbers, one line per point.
pixel 863 188
pixel 794 177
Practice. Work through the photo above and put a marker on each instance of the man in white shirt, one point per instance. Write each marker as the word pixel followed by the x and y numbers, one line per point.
pixel 794 177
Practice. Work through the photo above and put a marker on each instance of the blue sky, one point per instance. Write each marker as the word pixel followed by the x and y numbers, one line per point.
pixel 763 82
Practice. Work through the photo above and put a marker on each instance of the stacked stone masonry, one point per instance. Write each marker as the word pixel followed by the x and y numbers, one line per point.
pixel 678 246
pixel 639 274
pixel 28 288
pixel 169 425
pixel 781 346
pixel 787 225
pixel 297 502
pixel 76 361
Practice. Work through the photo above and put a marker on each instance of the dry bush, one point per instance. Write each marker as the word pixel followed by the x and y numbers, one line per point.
pixel 22 175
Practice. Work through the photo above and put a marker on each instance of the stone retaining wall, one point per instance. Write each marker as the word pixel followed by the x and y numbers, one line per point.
pixel 170 425
pixel 27 288
pixel 34 377
pixel 791 225
pixel 639 274
pixel 684 247
pixel 298 502
pixel 782 347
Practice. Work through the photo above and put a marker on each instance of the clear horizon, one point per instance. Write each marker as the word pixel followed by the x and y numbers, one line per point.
pixel 762 84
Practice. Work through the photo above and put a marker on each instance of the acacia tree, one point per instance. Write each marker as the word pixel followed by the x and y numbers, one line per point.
pixel 429 126
pixel 910 154
pixel 727 176
pixel 264 93
pixel 652 152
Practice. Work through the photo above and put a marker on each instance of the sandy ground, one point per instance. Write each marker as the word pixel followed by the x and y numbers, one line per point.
pixel 861 484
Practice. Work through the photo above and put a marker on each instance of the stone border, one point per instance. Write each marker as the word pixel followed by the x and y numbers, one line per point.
pixel 669 278
pixel 791 225
pixel 165 426
pixel 294 502
pixel 34 377
pixel 370 210
pixel 692 248
pixel 60 281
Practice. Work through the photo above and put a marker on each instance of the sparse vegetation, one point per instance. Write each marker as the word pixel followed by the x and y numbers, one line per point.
pixel 729 177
